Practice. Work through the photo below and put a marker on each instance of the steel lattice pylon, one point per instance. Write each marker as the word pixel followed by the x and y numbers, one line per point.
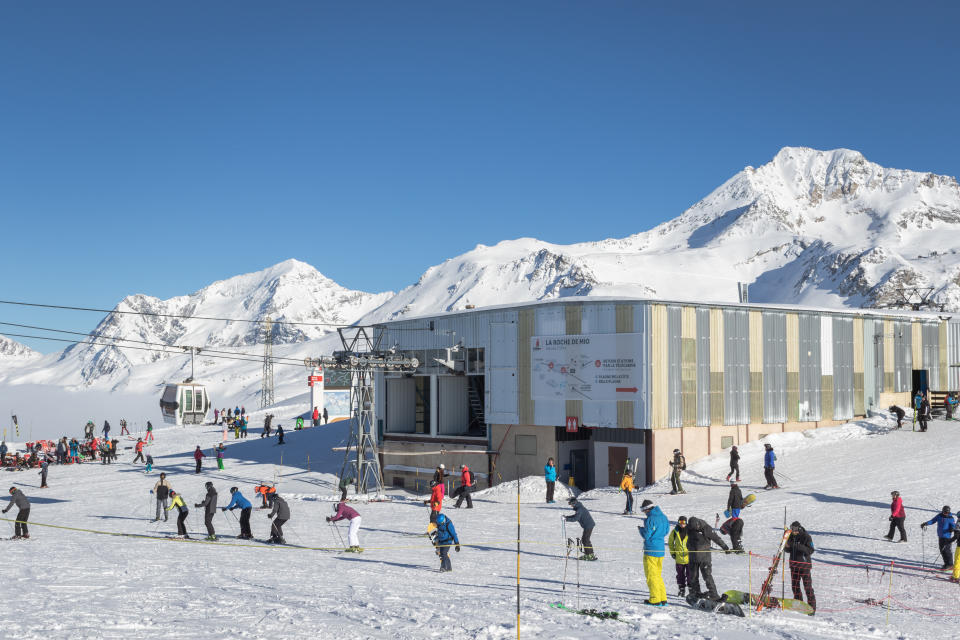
pixel 362 355
pixel 266 395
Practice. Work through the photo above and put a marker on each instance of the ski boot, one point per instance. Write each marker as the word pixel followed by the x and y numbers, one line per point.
pixel 588 557
pixel 211 538
pixel 682 591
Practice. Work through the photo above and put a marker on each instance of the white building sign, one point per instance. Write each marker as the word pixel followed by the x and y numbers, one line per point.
pixel 597 367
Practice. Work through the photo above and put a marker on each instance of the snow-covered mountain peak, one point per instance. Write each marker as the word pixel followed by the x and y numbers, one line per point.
pixel 13 349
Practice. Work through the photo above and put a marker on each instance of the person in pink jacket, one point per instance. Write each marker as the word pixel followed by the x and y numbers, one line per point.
pixel 198 456
pixel 343 512
pixel 897 516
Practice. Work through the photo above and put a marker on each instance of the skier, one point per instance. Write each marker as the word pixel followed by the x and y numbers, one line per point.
pixel 282 512
pixel 209 504
pixel 701 557
pixel 106 430
pixel 897 516
pixel 946 525
pixel 677 542
pixel 299 424
pixel 113 449
pixel 243 428
pixel 581 515
pixel 198 455
pixel 654 529
pixel 343 512
pixel 345 482
pixel 20 526
pixel 678 463
pixel 925 414
pixel 123 427
pixel 88 430
pixel 316 417
pixel 267 423
pixel 149 466
pixel 279 434
pixel 43 474
pixel 220 448
pixel 177 501
pixel 465 488
pixel 734 463
pixel 800 548
pixel 734 499
pixel 445 536
pixel 264 490
pixel 3 453
pixel 161 490
pixel 950 404
pixel 769 463
pixel 74 450
pixel 550 476
pixel 149 432
pixel 436 500
pixel 326 416
pixel 237 501
pixel 626 485
pixel 139 449
pixel 236 411
pixel 897 411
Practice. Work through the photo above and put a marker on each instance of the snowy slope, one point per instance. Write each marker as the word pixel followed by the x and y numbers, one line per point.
pixel 836 482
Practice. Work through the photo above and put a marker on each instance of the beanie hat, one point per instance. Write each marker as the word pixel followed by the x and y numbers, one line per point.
pixel 572 501
pixel 681 519
pixel 646 504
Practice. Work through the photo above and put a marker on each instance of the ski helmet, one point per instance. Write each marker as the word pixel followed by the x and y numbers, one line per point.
pixel 895 493
pixel 646 504
pixel 12 489
pixel 946 509
pixel 682 520
pixel 233 489
pixel 795 525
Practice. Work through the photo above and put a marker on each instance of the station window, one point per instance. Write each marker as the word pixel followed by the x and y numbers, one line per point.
pixel 526 445
pixel 726 442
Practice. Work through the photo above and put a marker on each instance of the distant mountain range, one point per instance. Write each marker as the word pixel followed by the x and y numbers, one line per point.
pixel 824 228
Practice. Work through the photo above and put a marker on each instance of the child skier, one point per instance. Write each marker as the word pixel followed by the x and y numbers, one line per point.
pixel 177 501
pixel 436 500
pixel 655 528
pixel 626 485
pixel 677 542
pixel 734 463
pixel 581 515
pixel 237 501
pixel 149 466
pixel 445 536
pixel 343 512
pixel 220 448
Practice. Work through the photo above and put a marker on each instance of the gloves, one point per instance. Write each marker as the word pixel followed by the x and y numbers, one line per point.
pixel 151 491
pixel 269 515
pixel 891 518
pixel 328 518
pixel 458 547
pixel 223 508
pixel 923 526
pixel 197 505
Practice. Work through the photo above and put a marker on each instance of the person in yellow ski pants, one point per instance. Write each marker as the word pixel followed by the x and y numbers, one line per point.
pixel 654 529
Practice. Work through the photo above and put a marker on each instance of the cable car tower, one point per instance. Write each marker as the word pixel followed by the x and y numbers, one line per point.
pixel 266 394
pixel 362 354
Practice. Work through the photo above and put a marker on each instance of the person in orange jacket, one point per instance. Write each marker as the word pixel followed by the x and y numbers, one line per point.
pixel 626 485
pixel 466 486
pixel 436 500
pixel 265 492
pixel 139 449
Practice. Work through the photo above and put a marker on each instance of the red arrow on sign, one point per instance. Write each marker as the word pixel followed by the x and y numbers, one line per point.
pixel 627 389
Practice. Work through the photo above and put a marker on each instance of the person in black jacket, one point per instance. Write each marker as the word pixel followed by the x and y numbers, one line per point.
pixel 734 463
pixel 583 517
pixel 897 411
pixel 210 505
pixel 735 526
pixel 800 548
pixel 700 534
pixel 924 415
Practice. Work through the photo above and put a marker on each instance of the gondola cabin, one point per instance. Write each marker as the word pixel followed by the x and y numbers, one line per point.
pixel 184 403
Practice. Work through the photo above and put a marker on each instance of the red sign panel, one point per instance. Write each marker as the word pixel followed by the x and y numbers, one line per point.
pixel 573 424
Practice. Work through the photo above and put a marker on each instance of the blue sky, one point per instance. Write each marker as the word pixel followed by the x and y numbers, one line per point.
pixel 156 147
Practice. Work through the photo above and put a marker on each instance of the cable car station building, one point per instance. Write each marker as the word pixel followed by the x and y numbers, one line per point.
pixel 596 382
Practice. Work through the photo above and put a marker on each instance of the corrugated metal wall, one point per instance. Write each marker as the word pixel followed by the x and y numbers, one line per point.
pixel 688 366
pixel 674 356
pixel 902 356
pixel 401 409
pixel 703 367
pixel 736 373
pixel 842 368
pixel 774 367
pixel 930 334
pixel 453 412
pixel 859 402
pixel 659 367
pixel 810 383
pixel 953 354
pixel 501 374
pixel 716 366
pixel 755 352
pixel 793 367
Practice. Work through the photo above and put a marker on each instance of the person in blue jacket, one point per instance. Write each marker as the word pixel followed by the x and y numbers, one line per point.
pixel 946 524
pixel 238 501
pixel 654 529
pixel 581 515
pixel 445 537
pixel 769 462
pixel 550 475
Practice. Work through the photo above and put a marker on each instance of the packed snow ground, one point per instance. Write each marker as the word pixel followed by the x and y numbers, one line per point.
pixel 73 583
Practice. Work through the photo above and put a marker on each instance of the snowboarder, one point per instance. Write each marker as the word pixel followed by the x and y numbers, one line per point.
pixel 946 524
pixel 734 525
pixel 123 427
pixel 899 413
pixel 237 501
pixel 734 499
pixel 149 466
pixel 800 548
pixel 149 432
pixel 220 448
pixel 678 463
pixel 198 455
pixel 445 536
pixel 23 514
pixel 316 417
pixel 436 500
pixel 925 414
pixel 655 528
pixel 734 463
pixel 345 482
pixel 897 516
pixel 581 515
pixel 626 485
pixel 326 416
pixel 209 504
pixel 677 542
pixel 177 501
pixel 550 476
pixel 279 434
pixel 139 449
pixel 43 474
pixel 769 464
pixel 162 491
pixel 465 488
pixel 343 512
pixel 282 512
pixel 700 534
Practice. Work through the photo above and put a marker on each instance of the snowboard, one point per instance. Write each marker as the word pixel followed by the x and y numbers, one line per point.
pixel 715 606
pixel 764 596
pixel 747 501
pixel 787 604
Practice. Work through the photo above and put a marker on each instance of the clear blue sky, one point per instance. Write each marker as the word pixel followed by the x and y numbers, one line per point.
pixel 156 147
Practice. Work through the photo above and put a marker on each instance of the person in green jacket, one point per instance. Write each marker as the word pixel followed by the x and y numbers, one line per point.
pixel 677 543
pixel 345 482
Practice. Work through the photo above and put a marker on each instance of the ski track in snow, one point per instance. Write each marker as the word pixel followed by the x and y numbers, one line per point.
pixel 75 584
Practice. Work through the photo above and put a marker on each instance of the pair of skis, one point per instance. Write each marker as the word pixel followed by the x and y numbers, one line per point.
pixel 763 599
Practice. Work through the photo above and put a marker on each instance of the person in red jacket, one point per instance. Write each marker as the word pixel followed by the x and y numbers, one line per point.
pixel 316 416
pixel 139 449
pixel 466 486
pixel 198 456
pixel 897 516
pixel 436 500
